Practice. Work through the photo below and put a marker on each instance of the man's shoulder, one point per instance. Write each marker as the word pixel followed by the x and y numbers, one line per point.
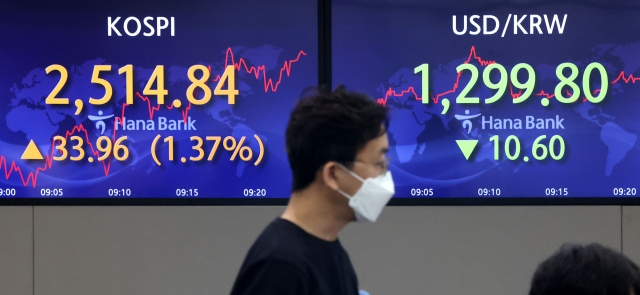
pixel 270 272
pixel 281 240
pixel 284 256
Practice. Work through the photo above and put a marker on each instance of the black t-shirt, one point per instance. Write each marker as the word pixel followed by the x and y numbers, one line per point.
pixel 287 260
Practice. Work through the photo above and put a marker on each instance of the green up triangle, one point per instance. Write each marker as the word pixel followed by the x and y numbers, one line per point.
pixel 467 146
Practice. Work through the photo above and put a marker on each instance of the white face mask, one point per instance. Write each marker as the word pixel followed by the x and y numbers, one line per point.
pixel 372 196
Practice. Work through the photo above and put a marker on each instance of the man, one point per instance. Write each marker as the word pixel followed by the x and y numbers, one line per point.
pixel 586 270
pixel 336 144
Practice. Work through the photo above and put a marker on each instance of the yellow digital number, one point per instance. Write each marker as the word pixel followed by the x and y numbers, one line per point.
pixel 61 148
pixel 158 77
pixel 230 77
pixel 169 140
pixel 77 147
pixel 198 83
pixel 52 99
pixel 215 145
pixel 128 71
pixel 105 149
pixel 108 90
pixel 118 146
pixel 197 148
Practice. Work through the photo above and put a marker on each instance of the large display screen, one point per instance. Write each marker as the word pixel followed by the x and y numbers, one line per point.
pixel 494 99
pixel 151 99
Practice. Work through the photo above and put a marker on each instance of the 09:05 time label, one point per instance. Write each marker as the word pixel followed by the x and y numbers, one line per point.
pixel 421 192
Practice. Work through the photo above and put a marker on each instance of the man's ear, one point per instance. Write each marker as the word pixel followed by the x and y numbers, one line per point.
pixel 328 174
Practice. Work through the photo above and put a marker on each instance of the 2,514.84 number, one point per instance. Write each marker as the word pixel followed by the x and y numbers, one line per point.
pixel 157 78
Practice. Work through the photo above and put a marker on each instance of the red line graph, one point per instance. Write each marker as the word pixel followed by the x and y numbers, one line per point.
pixel 473 55
pixel 627 80
pixel 547 95
pixel 551 95
pixel 269 85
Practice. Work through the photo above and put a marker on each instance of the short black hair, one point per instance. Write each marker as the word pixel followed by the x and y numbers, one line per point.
pixel 586 270
pixel 326 127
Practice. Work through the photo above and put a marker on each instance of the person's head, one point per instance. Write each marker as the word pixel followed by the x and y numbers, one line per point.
pixel 332 136
pixel 586 270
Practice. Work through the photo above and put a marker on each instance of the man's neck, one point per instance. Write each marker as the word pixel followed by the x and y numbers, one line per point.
pixel 311 211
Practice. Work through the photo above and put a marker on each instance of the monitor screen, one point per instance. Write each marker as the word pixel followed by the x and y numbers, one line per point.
pixel 151 99
pixel 494 99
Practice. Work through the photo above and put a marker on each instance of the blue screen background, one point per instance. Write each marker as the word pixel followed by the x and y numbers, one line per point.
pixel 275 39
pixel 377 45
